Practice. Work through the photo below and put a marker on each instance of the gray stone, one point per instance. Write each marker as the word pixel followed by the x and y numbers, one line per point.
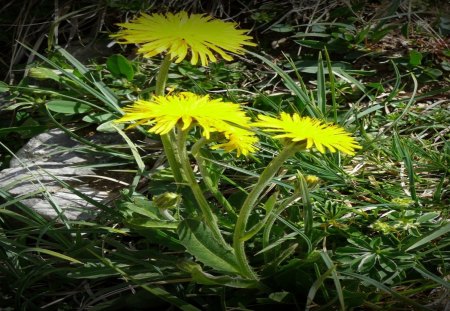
pixel 48 161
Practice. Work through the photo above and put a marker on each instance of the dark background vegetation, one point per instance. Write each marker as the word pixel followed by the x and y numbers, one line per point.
pixel 83 26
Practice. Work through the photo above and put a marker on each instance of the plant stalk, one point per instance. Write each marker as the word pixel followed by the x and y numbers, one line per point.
pixel 196 152
pixel 249 203
pixel 168 139
pixel 207 214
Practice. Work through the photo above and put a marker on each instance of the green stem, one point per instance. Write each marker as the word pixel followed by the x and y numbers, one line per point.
pixel 196 152
pixel 264 179
pixel 167 139
pixel 171 155
pixel 207 214
pixel 161 78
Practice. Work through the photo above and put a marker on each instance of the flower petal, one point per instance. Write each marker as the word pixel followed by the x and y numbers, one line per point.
pixel 179 33
pixel 186 109
pixel 316 133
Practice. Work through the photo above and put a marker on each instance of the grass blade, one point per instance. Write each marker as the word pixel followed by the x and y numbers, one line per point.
pixel 385 289
pixel 337 283
pixel 430 237
pixel 52 253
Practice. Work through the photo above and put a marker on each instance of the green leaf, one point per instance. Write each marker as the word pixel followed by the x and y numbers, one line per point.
pixel 109 127
pixel 321 86
pixel 388 264
pixel 268 206
pixel 205 278
pixel 42 73
pixel 421 269
pixel 444 65
pixel 142 207
pixel 3 87
pixel 433 73
pixel 92 270
pixel 52 253
pixel 314 44
pixel 430 237
pixel 415 58
pixel 290 236
pixel 142 222
pixel 98 117
pixel 300 91
pixel 119 66
pixel 427 217
pixel 199 242
pixel 334 275
pixel 67 106
pixel 133 148
pixel 282 28
pixel 35 129
pixel 280 297
pixel 367 262
pixel 385 288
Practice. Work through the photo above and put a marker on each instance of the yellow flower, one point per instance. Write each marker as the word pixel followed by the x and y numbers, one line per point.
pixel 312 131
pixel 179 33
pixel 312 180
pixel 240 140
pixel 163 113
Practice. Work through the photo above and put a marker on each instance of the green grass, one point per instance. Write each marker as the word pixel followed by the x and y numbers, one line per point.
pixel 372 235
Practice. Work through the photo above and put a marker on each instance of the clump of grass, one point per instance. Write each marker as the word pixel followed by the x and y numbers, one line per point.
pixel 370 232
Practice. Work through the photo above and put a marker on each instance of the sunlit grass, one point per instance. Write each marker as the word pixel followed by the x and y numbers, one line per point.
pixel 373 232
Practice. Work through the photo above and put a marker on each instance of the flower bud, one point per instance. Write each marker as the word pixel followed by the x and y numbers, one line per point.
pixel 312 181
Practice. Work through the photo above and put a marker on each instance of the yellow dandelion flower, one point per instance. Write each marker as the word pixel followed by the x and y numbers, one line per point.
pixel 240 140
pixel 180 33
pixel 163 113
pixel 312 131
pixel 312 180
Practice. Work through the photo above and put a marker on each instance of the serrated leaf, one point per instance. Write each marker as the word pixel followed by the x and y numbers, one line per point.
pixel 67 106
pixel 200 242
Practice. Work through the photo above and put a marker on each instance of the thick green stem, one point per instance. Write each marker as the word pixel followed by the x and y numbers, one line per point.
pixel 207 214
pixel 168 139
pixel 196 152
pixel 171 155
pixel 241 224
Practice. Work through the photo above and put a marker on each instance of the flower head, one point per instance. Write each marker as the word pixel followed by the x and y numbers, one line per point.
pixel 179 33
pixel 163 113
pixel 311 131
pixel 240 140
